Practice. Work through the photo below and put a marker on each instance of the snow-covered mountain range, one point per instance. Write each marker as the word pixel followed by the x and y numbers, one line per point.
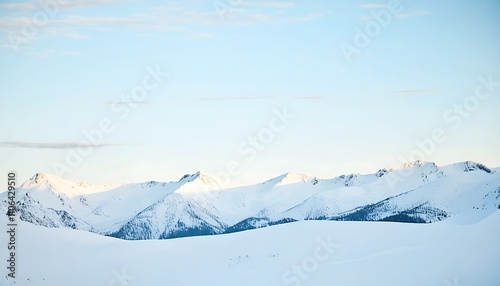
pixel 415 192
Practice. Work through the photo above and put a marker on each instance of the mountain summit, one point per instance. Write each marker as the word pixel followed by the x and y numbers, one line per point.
pixel 197 204
pixel 290 178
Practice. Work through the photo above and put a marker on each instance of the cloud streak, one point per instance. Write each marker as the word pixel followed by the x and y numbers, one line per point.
pixel 312 97
pixel 215 98
pixel 168 17
pixel 373 6
pixel 412 14
pixel 414 91
pixel 233 98
pixel 37 5
pixel 47 53
pixel 406 15
pixel 120 103
pixel 52 145
pixel 309 17
pixel 273 4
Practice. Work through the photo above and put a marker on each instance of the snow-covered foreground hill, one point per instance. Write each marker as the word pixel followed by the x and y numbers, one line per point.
pixel 463 250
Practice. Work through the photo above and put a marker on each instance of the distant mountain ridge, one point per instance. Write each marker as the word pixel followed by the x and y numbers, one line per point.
pixel 416 192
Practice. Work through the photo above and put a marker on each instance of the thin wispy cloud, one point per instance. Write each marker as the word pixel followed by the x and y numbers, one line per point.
pixel 273 4
pixel 312 97
pixel 48 53
pixel 169 17
pixel 405 15
pixel 309 17
pixel 234 98
pixel 401 15
pixel 93 21
pixel 70 26
pixel 373 6
pixel 114 103
pixel 414 91
pixel 36 5
pixel 51 145
pixel 215 98
pixel 42 54
pixel 260 17
pixel 412 14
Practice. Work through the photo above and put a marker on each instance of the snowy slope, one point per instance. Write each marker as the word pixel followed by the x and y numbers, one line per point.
pixel 196 205
pixel 316 253
pixel 99 206
pixel 457 191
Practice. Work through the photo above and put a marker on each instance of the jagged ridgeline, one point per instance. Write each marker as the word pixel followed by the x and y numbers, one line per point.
pixel 417 192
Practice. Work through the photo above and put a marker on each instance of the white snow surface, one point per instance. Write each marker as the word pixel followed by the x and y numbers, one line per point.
pixel 464 250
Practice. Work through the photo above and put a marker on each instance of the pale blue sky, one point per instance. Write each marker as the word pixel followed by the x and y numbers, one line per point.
pixel 228 74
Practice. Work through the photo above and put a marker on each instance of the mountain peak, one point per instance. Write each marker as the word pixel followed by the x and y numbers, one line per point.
pixel 416 163
pixel 290 178
pixel 189 177
pixel 413 164
pixel 198 181
pixel 38 178
pixel 196 176
pixel 44 181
